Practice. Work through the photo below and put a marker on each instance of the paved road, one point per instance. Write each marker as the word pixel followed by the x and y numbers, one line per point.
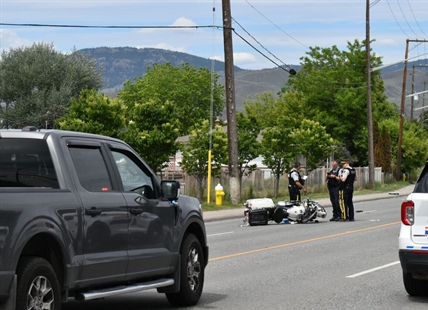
pixel 325 265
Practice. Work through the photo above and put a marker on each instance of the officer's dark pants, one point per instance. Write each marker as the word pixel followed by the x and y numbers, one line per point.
pixel 334 199
pixel 294 193
pixel 348 194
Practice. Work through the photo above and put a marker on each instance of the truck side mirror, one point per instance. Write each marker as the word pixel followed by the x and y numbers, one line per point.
pixel 170 189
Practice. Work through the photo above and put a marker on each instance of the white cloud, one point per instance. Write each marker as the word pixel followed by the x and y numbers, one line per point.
pixel 238 58
pixel 9 38
pixel 388 42
pixel 218 57
pixel 285 28
pixel 243 58
pixel 182 21
pixel 167 46
pixel 179 22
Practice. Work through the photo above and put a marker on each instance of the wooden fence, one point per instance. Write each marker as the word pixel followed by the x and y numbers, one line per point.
pixel 263 179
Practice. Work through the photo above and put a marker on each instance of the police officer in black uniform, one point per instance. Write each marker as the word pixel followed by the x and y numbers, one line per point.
pixel 295 183
pixel 333 189
pixel 347 177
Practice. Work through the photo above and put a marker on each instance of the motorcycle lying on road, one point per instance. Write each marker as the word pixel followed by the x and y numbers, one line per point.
pixel 260 211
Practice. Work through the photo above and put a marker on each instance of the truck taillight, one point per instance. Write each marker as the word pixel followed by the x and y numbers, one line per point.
pixel 408 212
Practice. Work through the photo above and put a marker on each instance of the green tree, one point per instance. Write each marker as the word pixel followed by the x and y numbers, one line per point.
pixel 94 112
pixel 277 152
pixel 38 82
pixel 288 132
pixel 195 154
pixel 191 91
pixel 248 145
pixel 312 141
pixel 382 148
pixel 414 147
pixel 152 132
pixel 334 84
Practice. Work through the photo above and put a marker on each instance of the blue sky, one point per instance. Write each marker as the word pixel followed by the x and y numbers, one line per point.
pixel 281 29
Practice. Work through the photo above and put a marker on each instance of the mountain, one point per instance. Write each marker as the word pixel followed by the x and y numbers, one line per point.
pixel 417 81
pixel 127 63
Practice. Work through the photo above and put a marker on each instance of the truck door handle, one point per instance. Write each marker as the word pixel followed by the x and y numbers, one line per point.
pixel 136 211
pixel 92 211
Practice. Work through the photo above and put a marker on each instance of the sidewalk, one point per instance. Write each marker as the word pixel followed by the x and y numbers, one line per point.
pixel 325 202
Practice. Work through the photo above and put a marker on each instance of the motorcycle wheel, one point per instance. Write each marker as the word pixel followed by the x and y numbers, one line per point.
pixel 278 215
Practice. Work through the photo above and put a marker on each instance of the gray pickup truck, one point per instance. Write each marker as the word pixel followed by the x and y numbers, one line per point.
pixel 82 216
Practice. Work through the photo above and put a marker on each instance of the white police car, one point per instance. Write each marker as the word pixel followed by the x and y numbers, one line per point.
pixel 413 238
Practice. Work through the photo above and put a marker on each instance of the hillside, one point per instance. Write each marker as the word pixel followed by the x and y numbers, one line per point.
pixel 127 63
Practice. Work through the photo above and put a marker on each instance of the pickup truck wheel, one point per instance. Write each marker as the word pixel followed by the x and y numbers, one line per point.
pixel 192 274
pixel 415 287
pixel 38 287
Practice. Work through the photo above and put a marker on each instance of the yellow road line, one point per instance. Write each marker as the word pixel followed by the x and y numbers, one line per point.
pixel 302 241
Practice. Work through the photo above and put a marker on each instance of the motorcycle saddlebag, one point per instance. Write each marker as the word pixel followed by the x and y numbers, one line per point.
pixel 258 217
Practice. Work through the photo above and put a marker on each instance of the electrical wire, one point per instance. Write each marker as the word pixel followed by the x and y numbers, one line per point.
pixel 321 84
pixel 389 5
pixel 291 71
pixel 407 22
pixel 108 27
pixel 276 25
pixel 417 23
pixel 289 68
pixel 373 3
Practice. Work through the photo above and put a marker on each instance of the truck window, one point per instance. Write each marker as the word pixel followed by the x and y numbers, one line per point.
pixel 91 169
pixel 421 185
pixel 133 176
pixel 26 163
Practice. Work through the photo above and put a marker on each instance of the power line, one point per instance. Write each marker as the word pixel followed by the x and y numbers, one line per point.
pixel 374 3
pixel 276 25
pixel 415 18
pixel 291 71
pixel 407 22
pixel 396 19
pixel 108 27
pixel 260 44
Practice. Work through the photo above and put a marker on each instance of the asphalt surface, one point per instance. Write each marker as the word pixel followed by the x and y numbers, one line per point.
pixel 325 202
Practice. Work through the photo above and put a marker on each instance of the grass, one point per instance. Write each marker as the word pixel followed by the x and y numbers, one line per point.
pixel 379 188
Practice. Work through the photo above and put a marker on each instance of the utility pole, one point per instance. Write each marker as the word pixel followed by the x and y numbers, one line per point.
pixel 423 98
pixel 403 100
pixel 369 100
pixel 412 99
pixel 234 184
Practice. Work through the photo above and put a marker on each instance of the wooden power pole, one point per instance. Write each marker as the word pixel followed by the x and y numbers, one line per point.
pixel 234 183
pixel 369 100
pixel 403 101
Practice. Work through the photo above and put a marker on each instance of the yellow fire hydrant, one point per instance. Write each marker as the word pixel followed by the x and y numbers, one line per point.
pixel 219 193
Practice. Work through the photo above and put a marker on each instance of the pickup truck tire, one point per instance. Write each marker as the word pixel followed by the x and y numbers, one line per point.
pixel 192 274
pixel 38 287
